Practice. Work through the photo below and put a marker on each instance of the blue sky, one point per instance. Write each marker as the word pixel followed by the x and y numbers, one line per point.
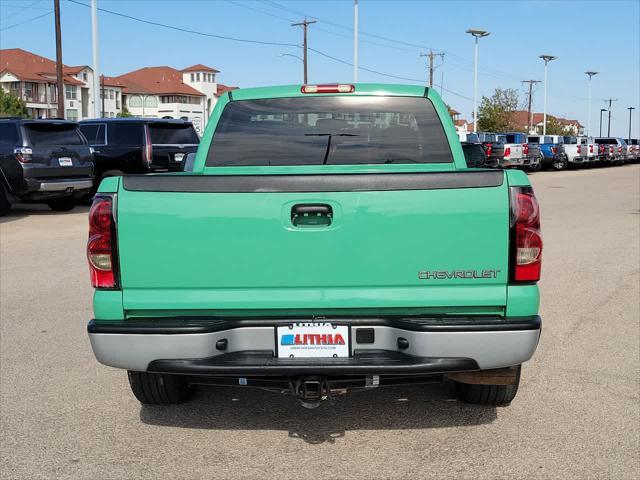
pixel 584 35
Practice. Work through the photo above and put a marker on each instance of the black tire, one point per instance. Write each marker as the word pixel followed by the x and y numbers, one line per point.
pixel 158 388
pixel 560 163
pixel 5 203
pixel 496 395
pixel 538 166
pixel 63 204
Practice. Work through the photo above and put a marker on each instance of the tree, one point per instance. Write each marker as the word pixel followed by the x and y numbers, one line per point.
pixel 125 112
pixel 12 106
pixel 496 112
pixel 554 127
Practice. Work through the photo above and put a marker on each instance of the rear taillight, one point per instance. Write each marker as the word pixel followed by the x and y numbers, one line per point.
pixel 333 88
pixel 578 149
pixel 611 150
pixel 102 243
pixel 507 151
pixel 619 149
pixel 554 150
pixel 23 154
pixel 526 237
pixel 489 149
pixel 525 149
pixel 591 148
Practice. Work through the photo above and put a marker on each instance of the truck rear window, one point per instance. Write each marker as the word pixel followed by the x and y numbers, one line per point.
pixel 328 131
pixel 171 134
pixel 53 134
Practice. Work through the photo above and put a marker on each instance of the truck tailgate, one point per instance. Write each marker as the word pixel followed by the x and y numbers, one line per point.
pixel 228 243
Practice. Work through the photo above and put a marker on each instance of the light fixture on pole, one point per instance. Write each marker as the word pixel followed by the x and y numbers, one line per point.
pixel 547 59
pixel 590 74
pixel 476 34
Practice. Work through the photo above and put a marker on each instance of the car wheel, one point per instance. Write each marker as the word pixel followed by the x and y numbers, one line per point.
pixel 5 203
pixel 63 204
pixel 537 166
pixel 560 163
pixel 496 395
pixel 158 388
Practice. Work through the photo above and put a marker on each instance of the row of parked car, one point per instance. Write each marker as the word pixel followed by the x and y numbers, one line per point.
pixel 61 163
pixel 534 152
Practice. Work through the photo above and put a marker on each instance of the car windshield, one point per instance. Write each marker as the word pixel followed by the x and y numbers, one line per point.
pixel 53 134
pixel 173 134
pixel 331 130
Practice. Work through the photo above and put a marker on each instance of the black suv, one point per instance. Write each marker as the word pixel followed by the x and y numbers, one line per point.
pixel 138 145
pixel 46 161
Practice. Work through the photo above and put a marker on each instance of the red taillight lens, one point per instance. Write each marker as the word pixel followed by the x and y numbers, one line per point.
pixel 619 149
pixel 526 236
pixel 554 150
pixel 23 154
pixel 333 88
pixel 489 149
pixel 591 148
pixel 525 149
pixel 507 151
pixel 101 246
pixel 611 150
pixel 579 149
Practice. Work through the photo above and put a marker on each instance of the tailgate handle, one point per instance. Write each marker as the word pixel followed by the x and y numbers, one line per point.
pixel 311 215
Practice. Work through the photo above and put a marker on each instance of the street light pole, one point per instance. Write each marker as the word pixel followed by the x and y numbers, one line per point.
pixel 355 41
pixel 476 34
pixel 590 74
pixel 630 110
pixel 601 110
pixel 547 59
pixel 97 111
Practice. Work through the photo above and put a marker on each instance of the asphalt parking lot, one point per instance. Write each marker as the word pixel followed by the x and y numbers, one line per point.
pixel 576 415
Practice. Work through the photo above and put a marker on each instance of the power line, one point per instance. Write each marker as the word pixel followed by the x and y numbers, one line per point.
pixel 21 9
pixel 186 30
pixel 26 21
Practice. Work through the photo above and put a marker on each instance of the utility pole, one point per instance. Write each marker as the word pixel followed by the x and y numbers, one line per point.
pixel 529 112
pixel 609 126
pixel 355 41
pixel 432 67
pixel 630 110
pixel 102 95
pixel 304 24
pixel 59 80
pixel 97 111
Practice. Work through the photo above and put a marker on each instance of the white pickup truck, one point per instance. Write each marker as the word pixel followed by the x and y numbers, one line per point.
pixel 515 149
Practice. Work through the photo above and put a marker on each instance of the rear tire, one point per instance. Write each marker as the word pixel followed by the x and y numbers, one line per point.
pixel 5 203
pixel 496 395
pixel 538 166
pixel 63 204
pixel 560 163
pixel 158 388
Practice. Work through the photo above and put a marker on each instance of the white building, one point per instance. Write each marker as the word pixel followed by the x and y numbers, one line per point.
pixel 32 78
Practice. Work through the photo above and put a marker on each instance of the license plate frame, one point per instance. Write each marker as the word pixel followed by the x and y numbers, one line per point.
pixel 310 350
pixel 65 161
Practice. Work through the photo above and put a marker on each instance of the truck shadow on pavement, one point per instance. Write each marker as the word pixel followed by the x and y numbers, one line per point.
pixel 388 408
pixel 21 211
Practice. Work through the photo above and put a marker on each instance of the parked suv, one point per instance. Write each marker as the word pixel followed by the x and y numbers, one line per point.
pixel 45 161
pixel 138 145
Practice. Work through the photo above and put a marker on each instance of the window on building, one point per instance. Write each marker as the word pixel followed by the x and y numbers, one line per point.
pixel 192 77
pixel 135 101
pixel 84 76
pixel 29 90
pixel 151 101
pixel 111 95
pixel 72 114
pixel 71 93
pixel 197 77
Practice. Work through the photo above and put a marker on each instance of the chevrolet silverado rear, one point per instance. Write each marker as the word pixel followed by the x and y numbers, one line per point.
pixel 329 238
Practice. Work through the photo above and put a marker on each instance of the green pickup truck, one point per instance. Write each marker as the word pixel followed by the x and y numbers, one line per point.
pixel 327 238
